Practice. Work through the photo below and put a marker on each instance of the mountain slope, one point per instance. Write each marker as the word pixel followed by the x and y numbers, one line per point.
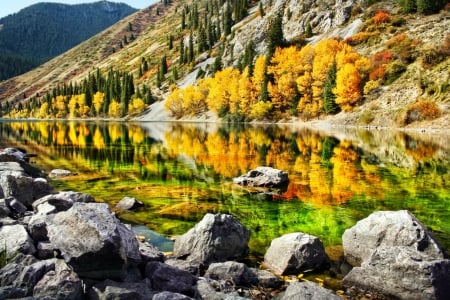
pixel 423 50
pixel 44 30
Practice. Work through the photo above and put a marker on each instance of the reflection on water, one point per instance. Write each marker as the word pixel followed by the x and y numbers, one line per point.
pixel 182 171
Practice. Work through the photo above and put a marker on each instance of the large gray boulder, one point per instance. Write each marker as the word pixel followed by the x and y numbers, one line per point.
pixel 16 239
pixel 164 277
pixel 388 228
pixel 294 253
pixel 263 177
pixel 60 201
pixel 307 291
pixel 216 238
pixel 93 241
pixel 62 283
pixel 402 273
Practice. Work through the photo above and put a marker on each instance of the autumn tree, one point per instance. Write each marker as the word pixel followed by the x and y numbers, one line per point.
pixel 347 89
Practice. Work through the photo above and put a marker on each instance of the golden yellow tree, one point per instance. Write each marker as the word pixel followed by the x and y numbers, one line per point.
pixel 347 90
pixel 97 100
pixel 136 106
pixel 114 109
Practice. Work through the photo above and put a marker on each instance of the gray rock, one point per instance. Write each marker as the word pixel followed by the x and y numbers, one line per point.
pixel 58 173
pixel 216 238
pixel 186 265
pixel 16 206
pixel 45 250
pixel 15 239
pixel 342 12
pixel 263 177
pixel 10 272
pixel 150 253
pixel 168 278
pixel 4 208
pixel 14 155
pixel 388 228
pixel 129 203
pixel 238 273
pixel 31 274
pixel 62 283
pixel 307 291
pixel 294 253
pixel 266 279
pixel 12 169
pixel 60 201
pixel 211 290
pixel 109 289
pixel 12 292
pixel 402 272
pixel 93 241
pixel 24 189
pixel 170 296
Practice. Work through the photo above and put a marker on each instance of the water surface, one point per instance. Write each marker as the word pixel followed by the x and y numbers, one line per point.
pixel 182 171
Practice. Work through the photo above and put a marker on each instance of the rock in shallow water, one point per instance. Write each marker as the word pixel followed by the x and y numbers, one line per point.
pixel 263 177
pixel 216 238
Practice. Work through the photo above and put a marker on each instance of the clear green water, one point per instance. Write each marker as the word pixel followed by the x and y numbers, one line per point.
pixel 182 171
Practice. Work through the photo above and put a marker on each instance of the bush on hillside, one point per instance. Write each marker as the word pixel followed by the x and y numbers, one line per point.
pixel 422 110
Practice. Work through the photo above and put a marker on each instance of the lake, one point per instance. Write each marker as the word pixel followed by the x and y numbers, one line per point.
pixel 182 171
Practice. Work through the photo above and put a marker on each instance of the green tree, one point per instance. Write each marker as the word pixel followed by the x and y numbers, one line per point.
pixel 276 36
pixel 329 99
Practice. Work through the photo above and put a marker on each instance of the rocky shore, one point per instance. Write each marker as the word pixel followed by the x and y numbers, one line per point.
pixel 64 245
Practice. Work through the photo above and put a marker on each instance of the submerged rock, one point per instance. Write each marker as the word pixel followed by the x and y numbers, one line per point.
pixel 216 238
pixel 294 253
pixel 129 203
pixel 59 173
pixel 263 177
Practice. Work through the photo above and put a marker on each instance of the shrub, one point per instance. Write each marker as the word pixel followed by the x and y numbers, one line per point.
pixel 422 110
pixel 371 85
pixel 381 17
pixel 393 71
pixel 366 117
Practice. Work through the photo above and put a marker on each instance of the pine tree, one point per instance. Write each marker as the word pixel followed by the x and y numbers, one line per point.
pixel 276 36
pixel 308 30
pixel 329 99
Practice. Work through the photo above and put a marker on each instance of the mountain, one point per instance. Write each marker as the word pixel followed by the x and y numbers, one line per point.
pixel 402 59
pixel 44 30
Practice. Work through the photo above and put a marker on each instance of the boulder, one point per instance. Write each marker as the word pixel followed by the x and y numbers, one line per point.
pixel 266 279
pixel 31 274
pixel 62 283
pixel 388 228
pixel 16 206
pixel 12 292
pixel 10 273
pixel 150 253
pixel 15 155
pixel 186 265
pixel 109 289
pixel 216 238
pixel 12 169
pixel 129 203
pixel 294 253
pixel 15 239
pixel 24 189
pixel 402 273
pixel 167 278
pixel 93 241
pixel 307 290
pixel 238 273
pixel 61 201
pixel 263 177
pixel 45 250
pixel 58 173
pixel 211 290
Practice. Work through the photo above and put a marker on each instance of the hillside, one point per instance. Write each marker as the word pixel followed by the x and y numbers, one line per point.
pixel 406 54
pixel 44 30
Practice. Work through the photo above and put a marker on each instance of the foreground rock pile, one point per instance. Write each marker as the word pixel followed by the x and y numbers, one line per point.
pixel 63 245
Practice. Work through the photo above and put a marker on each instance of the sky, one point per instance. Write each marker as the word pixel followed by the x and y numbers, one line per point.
pixel 9 7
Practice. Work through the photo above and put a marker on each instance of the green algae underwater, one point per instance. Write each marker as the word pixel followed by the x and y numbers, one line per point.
pixel 181 171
